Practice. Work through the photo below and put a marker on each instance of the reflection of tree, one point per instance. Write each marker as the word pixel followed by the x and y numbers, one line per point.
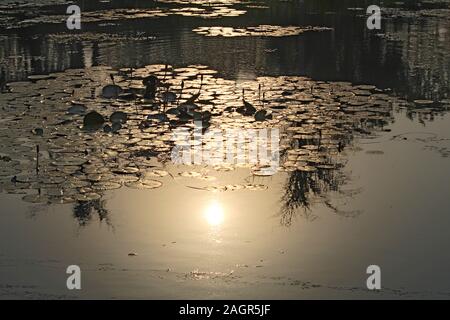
pixel 301 186
pixel 295 196
pixel 84 211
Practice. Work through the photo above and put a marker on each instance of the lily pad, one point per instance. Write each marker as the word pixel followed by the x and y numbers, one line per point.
pixel 111 91
pixel 144 184
pixel 118 117
pixel 93 120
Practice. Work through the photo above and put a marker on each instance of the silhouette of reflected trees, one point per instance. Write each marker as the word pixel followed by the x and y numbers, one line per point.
pixel 85 211
pixel 303 188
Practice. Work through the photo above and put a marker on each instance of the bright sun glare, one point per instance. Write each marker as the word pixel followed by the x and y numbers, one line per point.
pixel 214 214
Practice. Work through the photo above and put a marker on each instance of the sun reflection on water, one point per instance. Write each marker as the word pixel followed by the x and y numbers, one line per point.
pixel 214 214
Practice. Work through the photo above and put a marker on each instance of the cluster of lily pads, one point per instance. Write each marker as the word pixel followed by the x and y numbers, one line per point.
pixel 115 15
pixel 261 30
pixel 70 136
pixel 204 2
pixel 97 36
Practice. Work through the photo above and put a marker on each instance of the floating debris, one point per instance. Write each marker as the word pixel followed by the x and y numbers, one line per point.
pixel 261 30
pixel 375 152
pixel 256 187
pixel 38 132
pixel 202 275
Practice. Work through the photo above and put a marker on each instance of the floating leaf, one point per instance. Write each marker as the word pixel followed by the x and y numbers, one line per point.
pixel 77 109
pixel 156 173
pixel 93 120
pixel 126 170
pixel 234 187
pixel 144 184
pixel 190 174
pixel 119 117
pixel 306 168
pixel 90 196
pixel 111 91
pixel 102 186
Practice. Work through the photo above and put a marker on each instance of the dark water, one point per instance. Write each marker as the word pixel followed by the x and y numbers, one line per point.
pixel 411 56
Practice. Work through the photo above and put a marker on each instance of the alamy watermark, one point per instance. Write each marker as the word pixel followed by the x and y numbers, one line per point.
pixel 228 146
pixel 374 20
pixel 374 280
pixel 74 280
pixel 74 20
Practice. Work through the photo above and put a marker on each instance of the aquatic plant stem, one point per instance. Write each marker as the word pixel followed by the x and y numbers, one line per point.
pixel 181 93
pixel 37 159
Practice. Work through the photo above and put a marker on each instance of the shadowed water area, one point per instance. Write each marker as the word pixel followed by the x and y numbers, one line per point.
pixel 357 172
